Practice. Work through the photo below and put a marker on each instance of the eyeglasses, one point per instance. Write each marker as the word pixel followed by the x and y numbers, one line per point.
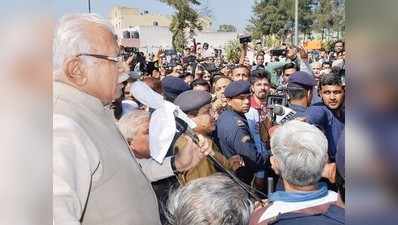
pixel 116 59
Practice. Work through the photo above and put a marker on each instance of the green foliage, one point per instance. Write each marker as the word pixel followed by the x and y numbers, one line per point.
pixel 272 41
pixel 232 51
pixel 226 28
pixel 330 16
pixel 186 20
pixel 277 17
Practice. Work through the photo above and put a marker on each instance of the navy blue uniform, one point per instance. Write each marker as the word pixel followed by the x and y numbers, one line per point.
pixel 299 109
pixel 234 138
pixel 332 125
pixel 334 216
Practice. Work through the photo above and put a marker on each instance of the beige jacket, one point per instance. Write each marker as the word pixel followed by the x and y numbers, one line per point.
pixel 96 180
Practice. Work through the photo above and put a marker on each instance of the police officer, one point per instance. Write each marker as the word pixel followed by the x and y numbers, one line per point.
pixel 197 105
pixel 233 131
pixel 300 90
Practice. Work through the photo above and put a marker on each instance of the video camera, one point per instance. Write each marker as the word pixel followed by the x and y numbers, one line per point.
pixel 275 101
pixel 245 39
pixel 278 52
pixel 138 58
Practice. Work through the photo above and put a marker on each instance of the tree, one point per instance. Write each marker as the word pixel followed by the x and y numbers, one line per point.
pixel 277 17
pixel 204 9
pixel 232 51
pixel 185 20
pixel 226 28
pixel 329 16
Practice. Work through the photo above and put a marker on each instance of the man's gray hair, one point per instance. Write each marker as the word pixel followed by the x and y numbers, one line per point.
pixel 71 37
pixel 212 200
pixel 301 150
pixel 316 64
pixel 130 122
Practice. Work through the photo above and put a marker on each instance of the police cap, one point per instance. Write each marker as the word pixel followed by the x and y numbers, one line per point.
pixel 301 79
pixel 236 88
pixel 192 100
pixel 173 86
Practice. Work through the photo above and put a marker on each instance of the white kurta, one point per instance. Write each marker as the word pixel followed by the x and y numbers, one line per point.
pixel 96 180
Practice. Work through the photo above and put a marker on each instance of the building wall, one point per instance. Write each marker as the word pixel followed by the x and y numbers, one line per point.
pixel 124 17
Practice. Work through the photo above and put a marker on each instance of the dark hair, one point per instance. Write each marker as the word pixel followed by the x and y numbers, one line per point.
pixel 200 82
pixel 327 62
pixel 261 53
pixel 241 66
pixel 216 78
pixel 289 66
pixel 330 79
pixel 296 93
pixel 339 41
pixel 186 74
pixel 259 74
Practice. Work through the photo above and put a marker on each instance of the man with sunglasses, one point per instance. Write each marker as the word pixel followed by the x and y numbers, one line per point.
pixel 97 181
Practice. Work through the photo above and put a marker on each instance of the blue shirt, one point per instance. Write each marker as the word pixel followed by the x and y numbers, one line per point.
pixel 234 137
pixel 253 120
pixel 321 116
pixel 299 109
pixel 334 216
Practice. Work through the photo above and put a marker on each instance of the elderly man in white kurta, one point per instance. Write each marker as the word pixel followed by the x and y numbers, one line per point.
pixel 96 179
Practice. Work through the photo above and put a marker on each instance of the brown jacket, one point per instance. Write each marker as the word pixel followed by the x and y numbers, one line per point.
pixel 205 167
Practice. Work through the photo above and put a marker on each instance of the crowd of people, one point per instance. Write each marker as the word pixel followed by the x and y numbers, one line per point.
pixel 270 134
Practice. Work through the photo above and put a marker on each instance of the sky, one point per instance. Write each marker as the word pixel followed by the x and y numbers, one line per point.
pixel 235 12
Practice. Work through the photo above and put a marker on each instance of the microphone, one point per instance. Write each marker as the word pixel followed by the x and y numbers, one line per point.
pixel 278 110
pixel 183 127
pixel 283 114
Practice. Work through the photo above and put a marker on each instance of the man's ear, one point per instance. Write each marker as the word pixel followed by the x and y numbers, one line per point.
pixel 274 164
pixel 309 94
pixel 75 72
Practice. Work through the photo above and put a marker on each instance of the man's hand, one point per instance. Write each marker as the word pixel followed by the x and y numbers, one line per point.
pixel 243 46
pixel 191 154
pixel 126 65
pixel 236 162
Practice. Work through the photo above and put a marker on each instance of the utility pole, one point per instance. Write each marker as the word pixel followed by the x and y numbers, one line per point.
pixel 89 6
pixel 296 23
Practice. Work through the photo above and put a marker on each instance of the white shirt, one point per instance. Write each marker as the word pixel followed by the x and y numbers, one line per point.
pixel 280 207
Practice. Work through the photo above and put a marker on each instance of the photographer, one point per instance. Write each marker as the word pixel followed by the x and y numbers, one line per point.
pixel 259 62
pixel 300 57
